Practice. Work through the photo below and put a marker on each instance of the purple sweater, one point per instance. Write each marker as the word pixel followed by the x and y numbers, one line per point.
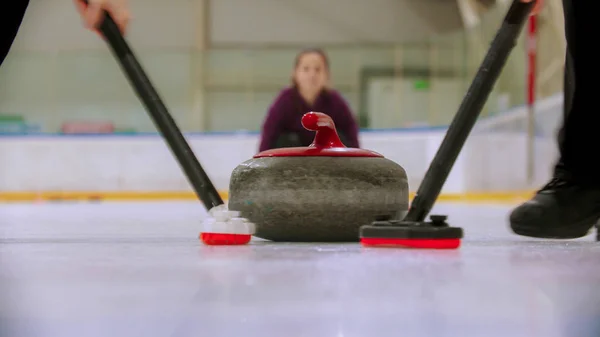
pixel 286 112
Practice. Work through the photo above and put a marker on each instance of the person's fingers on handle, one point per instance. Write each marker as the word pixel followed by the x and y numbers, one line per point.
pixel 81 7
pixel 536 8
pixel 93 14
pixel 119 11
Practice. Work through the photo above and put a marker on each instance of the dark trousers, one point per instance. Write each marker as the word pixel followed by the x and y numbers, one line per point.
pixel 11 16
pixel 579 133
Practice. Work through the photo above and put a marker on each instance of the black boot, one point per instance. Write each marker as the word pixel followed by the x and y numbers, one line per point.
pixel 562 209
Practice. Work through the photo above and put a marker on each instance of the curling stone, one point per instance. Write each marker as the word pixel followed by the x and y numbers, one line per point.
pixel 321 193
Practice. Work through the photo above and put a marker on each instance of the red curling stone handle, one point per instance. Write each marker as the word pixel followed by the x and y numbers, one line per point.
pixel 326 135
pixel 326 143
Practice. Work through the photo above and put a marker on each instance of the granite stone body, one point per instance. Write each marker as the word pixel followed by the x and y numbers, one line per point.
pixel 317 199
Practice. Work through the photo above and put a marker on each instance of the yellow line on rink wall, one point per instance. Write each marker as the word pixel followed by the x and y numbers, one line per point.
pixel 99 196
pixel 486 197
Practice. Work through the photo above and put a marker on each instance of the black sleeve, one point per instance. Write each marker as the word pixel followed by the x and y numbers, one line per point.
pixel 11 17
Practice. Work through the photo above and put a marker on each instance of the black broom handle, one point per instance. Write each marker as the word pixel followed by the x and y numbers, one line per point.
pixel 469 110
pixel 161 117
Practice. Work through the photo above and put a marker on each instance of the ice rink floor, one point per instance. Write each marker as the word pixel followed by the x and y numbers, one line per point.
pixel 130 269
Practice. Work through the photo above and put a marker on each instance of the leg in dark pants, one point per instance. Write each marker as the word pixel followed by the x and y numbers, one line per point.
pixel 569 205
pixel 580 120
pixel 569 87
pixel 11 17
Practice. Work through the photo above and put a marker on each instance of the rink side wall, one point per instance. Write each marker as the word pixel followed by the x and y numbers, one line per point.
pixel 491 167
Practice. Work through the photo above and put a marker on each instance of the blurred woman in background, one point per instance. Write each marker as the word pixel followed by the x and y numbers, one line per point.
pixel 309 92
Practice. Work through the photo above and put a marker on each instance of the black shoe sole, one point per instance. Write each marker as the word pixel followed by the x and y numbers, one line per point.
pixel 536 233
pixel 574 231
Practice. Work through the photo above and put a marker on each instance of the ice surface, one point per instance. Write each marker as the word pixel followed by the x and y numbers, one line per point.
pixel 139 270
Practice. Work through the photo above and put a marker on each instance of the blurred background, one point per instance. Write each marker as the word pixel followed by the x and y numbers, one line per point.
pixel 402 65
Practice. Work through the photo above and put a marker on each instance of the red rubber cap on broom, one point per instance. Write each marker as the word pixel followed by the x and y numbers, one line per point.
pixel 435 234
